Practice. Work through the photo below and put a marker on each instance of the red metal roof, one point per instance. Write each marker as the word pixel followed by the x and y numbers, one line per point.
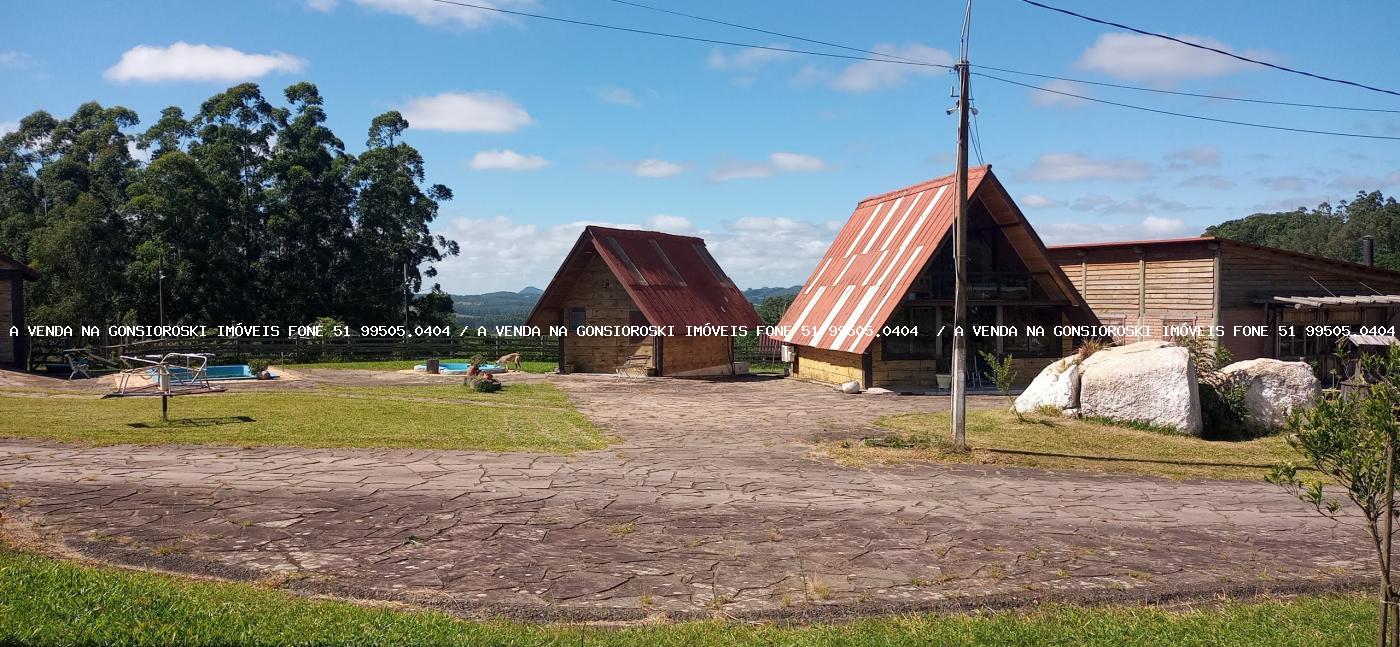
pixel 871 265
pixel 673 279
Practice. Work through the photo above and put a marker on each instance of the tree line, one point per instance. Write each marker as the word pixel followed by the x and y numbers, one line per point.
pixel 246 212
pixel 1331 231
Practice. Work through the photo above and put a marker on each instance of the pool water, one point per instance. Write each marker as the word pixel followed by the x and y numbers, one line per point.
pixel 214 373
pixel 456 368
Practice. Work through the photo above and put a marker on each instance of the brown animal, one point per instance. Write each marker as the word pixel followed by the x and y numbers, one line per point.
pixel 506 361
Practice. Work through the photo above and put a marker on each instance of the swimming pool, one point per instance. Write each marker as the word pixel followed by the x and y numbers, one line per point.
pixel 460 368
pixel 214 373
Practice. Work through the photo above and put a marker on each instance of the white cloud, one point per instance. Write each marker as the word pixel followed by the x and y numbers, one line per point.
pixel 1044 99
pixel 1197 156
pixel 741 171
pixel 867 76
pixel 506 160
pixel 778 162
pixel 437 14
pixel 322 5
pixel 1366 182
pixel 1073 167
pixel 196 62
pixel 796 162
pixel 1151 227
pixel 618 96
pixel 7 127
pixel 1217 182
pixel 657 168
pixel 670 224
pixel 507 255
pixel 1135 56
pixel 1162 226
pixel 1286 183
pixel 466 112
pixel 16 60
pixel 747 59
pixel 1037 201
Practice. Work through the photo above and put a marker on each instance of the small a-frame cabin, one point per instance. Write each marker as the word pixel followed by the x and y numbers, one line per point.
pixel 632 278
pixel 889 273
pixel 14 349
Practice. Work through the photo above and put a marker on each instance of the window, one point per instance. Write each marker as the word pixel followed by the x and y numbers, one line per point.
pixel 578 318
pixel 920 344
pixel 1022 319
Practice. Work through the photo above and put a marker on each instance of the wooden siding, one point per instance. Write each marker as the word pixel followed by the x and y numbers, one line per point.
pixel 606 303
pixel 1251 273
pixel 828 366
pixel 1152 285
pixel 9 345
pixel 708 355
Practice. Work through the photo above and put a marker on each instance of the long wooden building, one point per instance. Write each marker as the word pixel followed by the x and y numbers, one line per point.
pixel 890 269
pixel 1252 295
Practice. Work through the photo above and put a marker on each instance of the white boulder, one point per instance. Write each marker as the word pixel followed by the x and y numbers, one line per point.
pixel 851 387
pixel 1148 382
pixel 1275 389
pixel 1056 386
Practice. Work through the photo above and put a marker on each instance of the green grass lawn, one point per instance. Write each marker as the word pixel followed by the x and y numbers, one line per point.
pixel 404 364
pixel 426 417
pixel 45 601
pixel 997 437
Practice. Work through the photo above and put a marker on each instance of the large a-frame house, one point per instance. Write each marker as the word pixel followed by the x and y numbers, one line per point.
pixel 878 308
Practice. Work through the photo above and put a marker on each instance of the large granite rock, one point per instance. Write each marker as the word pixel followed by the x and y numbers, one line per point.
pixel 1274 389
pixel 1056 386
pixel 1151 382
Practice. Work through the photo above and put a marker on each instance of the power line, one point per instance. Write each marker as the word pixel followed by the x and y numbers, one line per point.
pixel 977 140
pixel 698 39
pixel 1197 95
pixel 894 57
pixel 759 30
pixel 911 62
pixel 1210 49
pixel 1188 115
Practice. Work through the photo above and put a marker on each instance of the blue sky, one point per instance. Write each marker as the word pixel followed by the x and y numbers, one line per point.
pixel 541 127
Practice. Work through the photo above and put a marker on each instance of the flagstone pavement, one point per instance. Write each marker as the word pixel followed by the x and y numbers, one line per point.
pixel 710 502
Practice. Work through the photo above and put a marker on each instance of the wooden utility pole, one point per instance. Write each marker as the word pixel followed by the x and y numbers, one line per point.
pixel 960 253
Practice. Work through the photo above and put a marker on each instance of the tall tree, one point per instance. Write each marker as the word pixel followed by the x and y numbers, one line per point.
pixel 393 211
pixel 308 224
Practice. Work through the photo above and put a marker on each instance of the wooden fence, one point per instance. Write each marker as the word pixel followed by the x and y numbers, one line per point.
pixel 47 351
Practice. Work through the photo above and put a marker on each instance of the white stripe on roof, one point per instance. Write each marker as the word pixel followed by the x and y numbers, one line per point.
pixel 822 330
pixel 817 278
pixel 837 281
pixel 865 227
pixel 805 311
pixel 875 267
pixel 898 280
pixel 919 224
pixel 897 226
pixel 883 221
pixel 855 315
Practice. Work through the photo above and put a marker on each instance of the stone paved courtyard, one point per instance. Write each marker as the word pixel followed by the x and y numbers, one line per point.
pixel 710 502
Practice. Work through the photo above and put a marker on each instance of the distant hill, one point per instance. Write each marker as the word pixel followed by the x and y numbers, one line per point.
pixel 495 308
pixel 511 308
pixel 757 295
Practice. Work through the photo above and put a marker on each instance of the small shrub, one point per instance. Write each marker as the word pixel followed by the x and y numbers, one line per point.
pixel 1224 415
pixel 1003 376
pixel 1089 347
pixel 258 365
pixel 484 384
